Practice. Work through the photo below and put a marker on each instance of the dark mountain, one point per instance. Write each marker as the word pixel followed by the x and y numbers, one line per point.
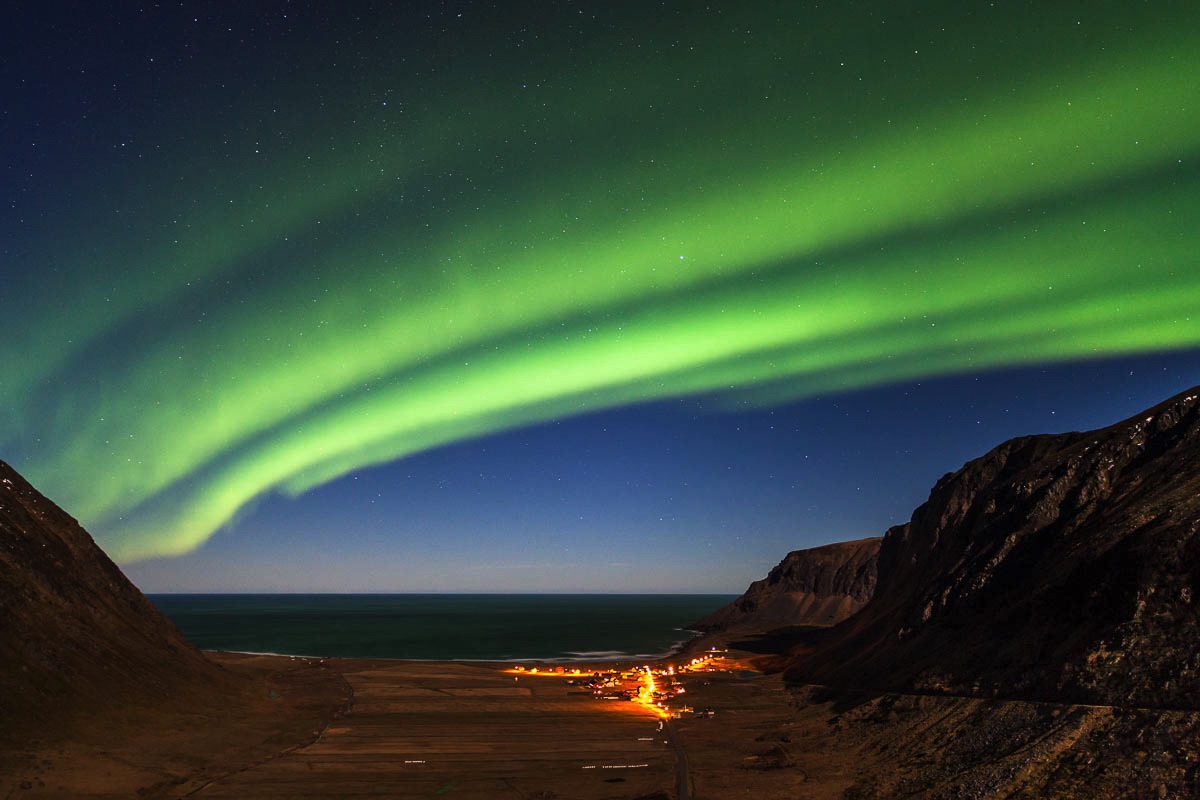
pixel 76 637
pixel 819 586
pixel 1061 567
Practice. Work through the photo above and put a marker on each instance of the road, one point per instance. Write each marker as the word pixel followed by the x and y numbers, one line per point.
pixel 682 779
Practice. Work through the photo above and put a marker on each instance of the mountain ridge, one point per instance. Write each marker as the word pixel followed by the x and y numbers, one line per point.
pixel 816 586
pixel 75 634
pixel 1058 567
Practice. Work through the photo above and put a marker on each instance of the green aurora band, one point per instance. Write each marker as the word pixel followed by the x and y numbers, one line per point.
pixel 492 260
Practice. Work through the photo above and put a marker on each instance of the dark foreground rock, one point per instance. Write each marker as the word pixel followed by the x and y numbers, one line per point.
pixel 76 637
pixel 101 697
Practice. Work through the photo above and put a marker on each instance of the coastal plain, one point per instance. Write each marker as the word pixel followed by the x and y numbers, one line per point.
pixel 426 729
pixel 340 728
pixel 317 728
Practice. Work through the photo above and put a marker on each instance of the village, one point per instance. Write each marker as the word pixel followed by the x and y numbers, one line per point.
pixel 656 687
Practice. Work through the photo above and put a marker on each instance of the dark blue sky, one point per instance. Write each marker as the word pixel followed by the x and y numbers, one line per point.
pixel 573 296
pixel 677 496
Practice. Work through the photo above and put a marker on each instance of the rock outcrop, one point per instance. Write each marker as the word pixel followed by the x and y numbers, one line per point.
pixel 820 586
pixel 1056 567
pixel 76 637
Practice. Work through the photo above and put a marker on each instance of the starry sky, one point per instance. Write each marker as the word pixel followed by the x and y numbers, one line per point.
pixel 573 296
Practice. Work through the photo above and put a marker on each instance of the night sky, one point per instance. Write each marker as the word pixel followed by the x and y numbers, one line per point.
pixel 573 296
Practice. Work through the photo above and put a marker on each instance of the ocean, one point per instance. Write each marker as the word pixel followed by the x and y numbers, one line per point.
pixel 441 627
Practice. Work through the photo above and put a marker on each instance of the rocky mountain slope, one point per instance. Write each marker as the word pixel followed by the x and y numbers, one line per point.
pixel 818 586
pixel 1059 567
pixel 75 634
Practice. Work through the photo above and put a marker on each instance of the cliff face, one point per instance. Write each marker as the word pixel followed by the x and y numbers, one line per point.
pixel 75 634
pixel 819 586
pixel 1062 567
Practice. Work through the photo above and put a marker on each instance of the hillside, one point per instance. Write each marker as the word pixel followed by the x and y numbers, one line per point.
pixel 75 635
pixel 1059 567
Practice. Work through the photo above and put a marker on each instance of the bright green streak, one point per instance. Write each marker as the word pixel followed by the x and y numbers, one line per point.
pixel 1051 219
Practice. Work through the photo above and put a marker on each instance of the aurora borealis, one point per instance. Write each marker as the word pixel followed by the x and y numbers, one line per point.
pixel 248 252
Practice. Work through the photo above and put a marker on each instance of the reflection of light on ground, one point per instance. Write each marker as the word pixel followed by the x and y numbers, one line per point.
pixel 548 672
pixel 650 688
pixel 646 692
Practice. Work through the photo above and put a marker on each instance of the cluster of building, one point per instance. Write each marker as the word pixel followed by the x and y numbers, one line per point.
pixel 661 685
pixel 656 687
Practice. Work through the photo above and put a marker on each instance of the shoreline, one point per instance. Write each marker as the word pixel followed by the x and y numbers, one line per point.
pixel 677 649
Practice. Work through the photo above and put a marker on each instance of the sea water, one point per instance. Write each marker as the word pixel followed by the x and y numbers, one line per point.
pixel 496 627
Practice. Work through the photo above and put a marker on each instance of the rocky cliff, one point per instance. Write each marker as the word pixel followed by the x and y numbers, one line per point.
pixel 1063 567
pixel 76 637
pixel 819 586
